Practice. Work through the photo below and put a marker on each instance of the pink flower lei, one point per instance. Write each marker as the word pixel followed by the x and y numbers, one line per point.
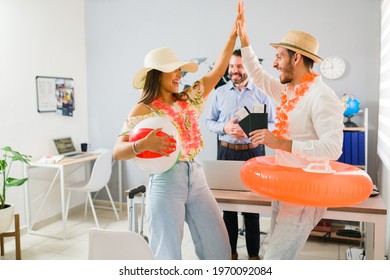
pixel 186 121
pixel 287 105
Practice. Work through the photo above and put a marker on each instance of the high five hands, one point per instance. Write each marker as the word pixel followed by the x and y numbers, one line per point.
pixel 240 25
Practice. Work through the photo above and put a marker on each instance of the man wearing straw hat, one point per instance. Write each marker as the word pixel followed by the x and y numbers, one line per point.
pixel 309 127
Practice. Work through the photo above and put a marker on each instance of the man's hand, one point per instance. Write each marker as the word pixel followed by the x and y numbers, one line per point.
pixel 234 129
pixel 267 138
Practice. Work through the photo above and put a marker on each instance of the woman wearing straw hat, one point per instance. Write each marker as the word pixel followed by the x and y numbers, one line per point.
pixel 180 194
pixel 309 127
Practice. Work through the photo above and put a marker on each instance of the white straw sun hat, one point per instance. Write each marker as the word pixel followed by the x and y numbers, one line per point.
pixel 164 60
pixel 300 42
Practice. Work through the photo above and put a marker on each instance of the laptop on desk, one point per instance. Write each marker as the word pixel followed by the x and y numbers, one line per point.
pixel 66 148
pixel 224 175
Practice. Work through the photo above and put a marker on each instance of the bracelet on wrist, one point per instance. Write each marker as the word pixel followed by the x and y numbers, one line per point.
pixel 135 149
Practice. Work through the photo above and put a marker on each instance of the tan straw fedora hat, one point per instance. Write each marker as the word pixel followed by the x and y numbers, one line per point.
pixel 164 60
pixel 300 42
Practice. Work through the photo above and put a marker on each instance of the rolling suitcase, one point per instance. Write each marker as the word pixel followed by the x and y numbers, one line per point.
pixel 132 215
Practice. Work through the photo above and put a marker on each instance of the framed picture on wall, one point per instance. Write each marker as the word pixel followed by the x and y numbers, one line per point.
pixel 55 94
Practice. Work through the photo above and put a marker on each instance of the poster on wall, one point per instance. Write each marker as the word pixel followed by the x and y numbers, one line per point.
pixel 55 94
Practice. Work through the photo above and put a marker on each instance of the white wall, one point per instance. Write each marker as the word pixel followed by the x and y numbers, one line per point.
pixel 46 38
pixel 384 182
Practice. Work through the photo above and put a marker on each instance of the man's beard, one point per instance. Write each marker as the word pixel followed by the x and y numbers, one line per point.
pixel 288 73
pixel 242 78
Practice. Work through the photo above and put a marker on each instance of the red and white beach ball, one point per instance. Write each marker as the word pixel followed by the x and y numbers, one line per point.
pixel 149 161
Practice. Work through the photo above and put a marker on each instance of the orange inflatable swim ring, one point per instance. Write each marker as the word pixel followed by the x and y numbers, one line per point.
pixel 334 185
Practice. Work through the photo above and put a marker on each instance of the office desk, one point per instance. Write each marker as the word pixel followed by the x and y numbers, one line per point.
pixel 371 211
pixel 60 167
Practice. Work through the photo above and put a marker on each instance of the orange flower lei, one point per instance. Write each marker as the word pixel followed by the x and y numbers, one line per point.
pixel 287 105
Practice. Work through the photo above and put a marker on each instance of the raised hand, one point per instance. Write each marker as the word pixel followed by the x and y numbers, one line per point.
pixel 240 25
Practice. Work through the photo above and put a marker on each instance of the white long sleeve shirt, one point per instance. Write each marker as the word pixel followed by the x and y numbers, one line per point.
pixel 315 126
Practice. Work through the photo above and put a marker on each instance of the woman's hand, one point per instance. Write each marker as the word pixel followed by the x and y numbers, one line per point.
pixel 156 143
pixel 124 150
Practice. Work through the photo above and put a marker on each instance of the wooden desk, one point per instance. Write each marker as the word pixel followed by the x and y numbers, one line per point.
pixel 371 211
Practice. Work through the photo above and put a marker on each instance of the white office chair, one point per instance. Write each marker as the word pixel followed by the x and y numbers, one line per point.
pixel 107 244
pixel 101 173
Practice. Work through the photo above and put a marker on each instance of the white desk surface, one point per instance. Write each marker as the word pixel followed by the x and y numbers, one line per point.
pixel 373 205
pixel 66 161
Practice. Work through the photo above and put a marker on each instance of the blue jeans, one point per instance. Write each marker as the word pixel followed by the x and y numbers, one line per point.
pixel 290 227
pixel 178 195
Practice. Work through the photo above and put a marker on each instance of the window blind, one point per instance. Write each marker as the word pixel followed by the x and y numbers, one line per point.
pixel 384 87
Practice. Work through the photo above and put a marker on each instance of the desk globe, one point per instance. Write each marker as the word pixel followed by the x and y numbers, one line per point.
pixel 351 108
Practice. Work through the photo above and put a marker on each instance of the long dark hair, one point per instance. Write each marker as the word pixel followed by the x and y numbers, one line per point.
pixel 151 87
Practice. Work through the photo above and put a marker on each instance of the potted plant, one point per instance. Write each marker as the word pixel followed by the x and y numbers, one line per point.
pixel 8 157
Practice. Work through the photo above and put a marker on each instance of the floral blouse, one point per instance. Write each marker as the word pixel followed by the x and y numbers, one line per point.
pixel 184 115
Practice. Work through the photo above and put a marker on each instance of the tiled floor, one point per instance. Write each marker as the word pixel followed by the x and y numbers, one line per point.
pixel 75 247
